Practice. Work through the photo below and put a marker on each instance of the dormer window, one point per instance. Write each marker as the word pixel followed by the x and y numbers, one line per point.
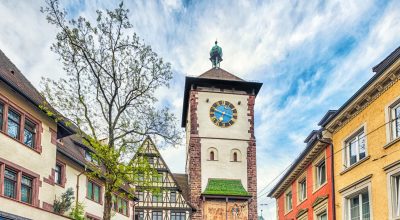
pixel 89 157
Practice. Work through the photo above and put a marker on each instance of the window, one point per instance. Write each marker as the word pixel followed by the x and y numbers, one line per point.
pixel 157 197
pixel 1 115
pixel 212 155
pixel 29 134
pixel 19 125
pixel 139 215
pixel 288 201
pixel 58 174
pixel 13 124
pixel 358 206
pixel 235 157
pixel 140 196
pixel 178 215
pixel 156 215
pixel 93 191
pixel 26 189
pixel 120 205
pixel 321 173
pixel 10 183
pixel 395 195
pixel 322 216
pixel 158 178
pixel 355 148
pixel 151 160
pixel 302 189
pixel 172 197
pixel 395 121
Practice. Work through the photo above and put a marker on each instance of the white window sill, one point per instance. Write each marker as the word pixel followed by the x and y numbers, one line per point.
pixel 354 165
pixel 391 143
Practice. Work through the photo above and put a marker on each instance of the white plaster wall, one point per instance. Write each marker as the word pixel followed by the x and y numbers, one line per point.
pixel 239 130
pixel 223 168
pixel 223 139
pixel 26 211
pixel 21 155
pixel 90 206
pixel 41 164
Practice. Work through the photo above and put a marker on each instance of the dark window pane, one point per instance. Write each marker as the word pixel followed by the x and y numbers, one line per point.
pixel 173 197
pixel 10 178
pixel 29 133
pixel 90 190
pixel 13 124
pixel 1 115
pixel 58 174
pixel 156 215
pixel 96 192
pixel 26 189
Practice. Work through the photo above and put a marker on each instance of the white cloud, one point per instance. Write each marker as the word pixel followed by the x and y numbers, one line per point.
pixel 275 42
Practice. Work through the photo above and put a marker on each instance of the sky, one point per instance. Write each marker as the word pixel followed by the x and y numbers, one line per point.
pixel 311 56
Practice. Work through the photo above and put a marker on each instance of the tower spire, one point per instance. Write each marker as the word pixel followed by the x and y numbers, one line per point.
pixel 216 55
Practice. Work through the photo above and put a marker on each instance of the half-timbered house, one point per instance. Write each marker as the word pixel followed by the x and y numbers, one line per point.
pixel 169 199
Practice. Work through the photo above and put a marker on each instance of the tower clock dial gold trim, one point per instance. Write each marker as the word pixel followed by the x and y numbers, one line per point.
pixel 223 114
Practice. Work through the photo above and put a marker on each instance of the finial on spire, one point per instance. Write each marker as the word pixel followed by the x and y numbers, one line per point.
pixel 216 55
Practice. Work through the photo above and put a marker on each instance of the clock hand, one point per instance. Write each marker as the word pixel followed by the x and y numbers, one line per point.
pixel 223 113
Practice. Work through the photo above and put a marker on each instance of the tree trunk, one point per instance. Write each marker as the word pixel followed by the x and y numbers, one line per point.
pixel 107 204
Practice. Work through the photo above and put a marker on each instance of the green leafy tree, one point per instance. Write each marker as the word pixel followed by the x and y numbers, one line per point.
pixel 78 212
pixel 109 93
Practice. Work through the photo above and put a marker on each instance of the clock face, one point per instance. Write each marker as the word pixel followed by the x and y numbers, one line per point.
pixel 223 113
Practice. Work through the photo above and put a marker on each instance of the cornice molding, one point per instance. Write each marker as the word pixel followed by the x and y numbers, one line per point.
pixel 369 95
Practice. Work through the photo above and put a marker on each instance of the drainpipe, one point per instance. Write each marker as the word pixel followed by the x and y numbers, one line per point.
pixel 77 187
pixel 332 175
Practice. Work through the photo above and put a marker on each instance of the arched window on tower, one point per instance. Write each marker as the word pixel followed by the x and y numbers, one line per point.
pixel 212 154
pixel 236 156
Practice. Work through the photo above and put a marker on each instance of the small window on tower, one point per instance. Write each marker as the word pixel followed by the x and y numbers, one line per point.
pixel 236 156
pixel 212 156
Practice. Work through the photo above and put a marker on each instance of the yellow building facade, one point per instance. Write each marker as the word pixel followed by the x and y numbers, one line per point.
pixel 365 134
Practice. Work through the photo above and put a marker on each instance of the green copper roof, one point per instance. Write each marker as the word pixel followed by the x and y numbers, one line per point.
pixel 225 187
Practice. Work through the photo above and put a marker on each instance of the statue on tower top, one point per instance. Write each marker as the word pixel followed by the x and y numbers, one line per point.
pixel 216 55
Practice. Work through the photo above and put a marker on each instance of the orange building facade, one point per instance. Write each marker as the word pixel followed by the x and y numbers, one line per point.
pixel 305 191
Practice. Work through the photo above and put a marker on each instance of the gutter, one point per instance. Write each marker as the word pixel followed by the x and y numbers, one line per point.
pixel 332 175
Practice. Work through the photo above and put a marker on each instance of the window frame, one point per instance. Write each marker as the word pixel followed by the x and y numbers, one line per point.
pixel 361 131
pixel 91 197
pixel 20 172
pixel 175 197
pixel 179 214
pixel 287 192
pixel 30 187
pixel 302 180
pixel 152 215
pixel 392 171
pixel 356 189
pixel 391 111
pixel 115 205
pixel 63 176
pixel 321 208
pixel 160 197
pixel 317 171
pixel 24 116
